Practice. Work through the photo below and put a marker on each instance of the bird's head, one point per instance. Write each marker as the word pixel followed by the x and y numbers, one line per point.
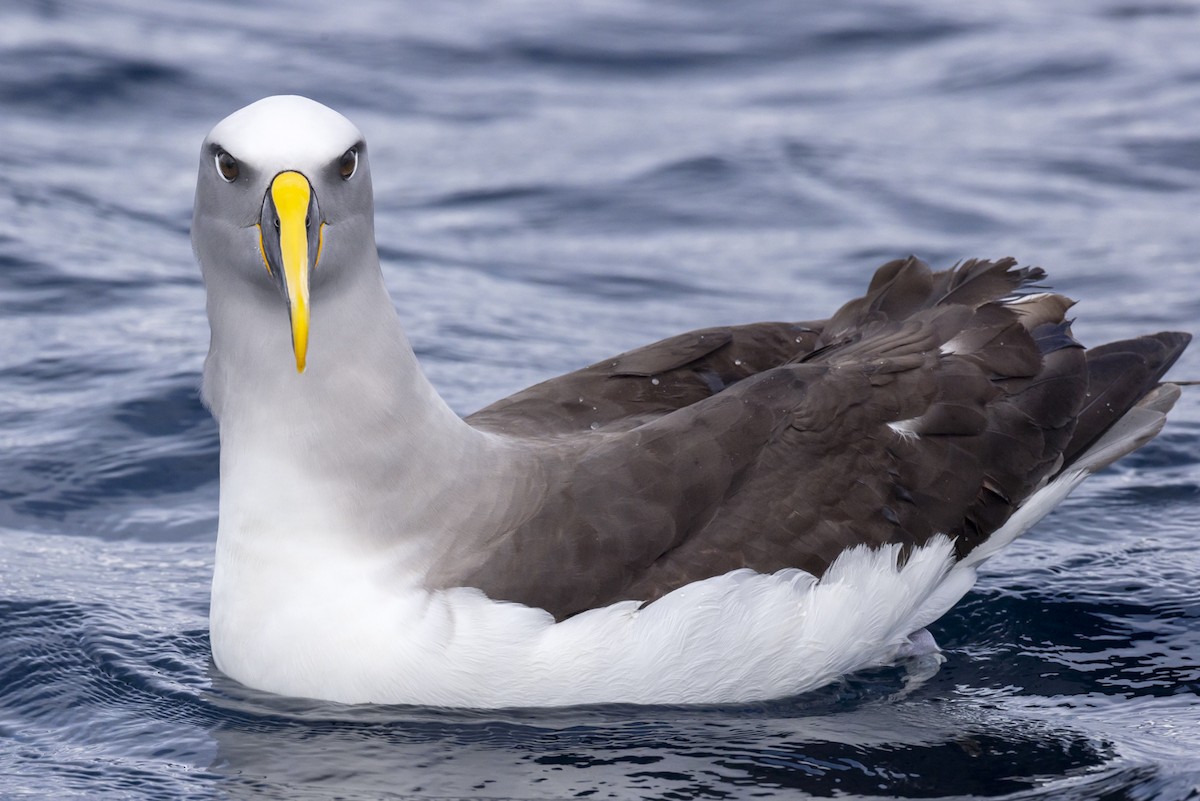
pixel 283 198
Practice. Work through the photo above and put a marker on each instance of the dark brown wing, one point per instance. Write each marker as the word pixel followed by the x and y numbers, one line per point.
pixel 934 404
pixel 640 385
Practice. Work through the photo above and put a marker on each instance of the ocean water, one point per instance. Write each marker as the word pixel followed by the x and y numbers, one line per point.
pixel 557 182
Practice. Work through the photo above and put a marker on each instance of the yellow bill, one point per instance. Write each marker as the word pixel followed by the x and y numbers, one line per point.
pixel 291 195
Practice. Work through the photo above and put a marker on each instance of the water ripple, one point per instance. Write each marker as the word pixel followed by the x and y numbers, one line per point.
pixel 558 182
pixel 63 79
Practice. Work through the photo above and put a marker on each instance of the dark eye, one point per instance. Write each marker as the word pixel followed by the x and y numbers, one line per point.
pixel 227 165
pixel 348 164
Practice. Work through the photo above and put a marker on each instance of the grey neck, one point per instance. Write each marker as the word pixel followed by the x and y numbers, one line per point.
pixel 362 427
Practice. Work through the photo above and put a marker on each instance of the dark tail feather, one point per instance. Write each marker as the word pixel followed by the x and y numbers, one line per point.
pixel 979 281
pixel 1119 375
pixel 902 288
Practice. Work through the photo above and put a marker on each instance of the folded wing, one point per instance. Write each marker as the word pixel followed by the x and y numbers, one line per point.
pixel 935 404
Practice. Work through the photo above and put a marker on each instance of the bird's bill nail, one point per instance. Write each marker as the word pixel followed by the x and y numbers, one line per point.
pixel 291 193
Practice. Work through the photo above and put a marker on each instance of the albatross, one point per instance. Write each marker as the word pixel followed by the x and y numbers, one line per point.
pixel 728 515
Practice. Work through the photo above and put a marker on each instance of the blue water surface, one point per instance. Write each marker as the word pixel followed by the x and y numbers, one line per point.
pixel 557 182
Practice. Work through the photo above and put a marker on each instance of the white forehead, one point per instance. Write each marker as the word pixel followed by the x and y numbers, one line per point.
pixel 285 129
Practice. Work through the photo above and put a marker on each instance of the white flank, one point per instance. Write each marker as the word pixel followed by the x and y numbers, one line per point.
pixel 739 637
